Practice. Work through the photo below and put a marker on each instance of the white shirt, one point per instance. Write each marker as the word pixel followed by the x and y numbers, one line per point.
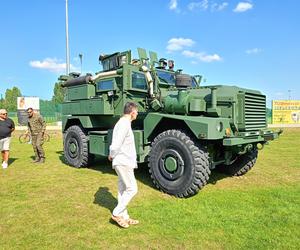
pixel 122 148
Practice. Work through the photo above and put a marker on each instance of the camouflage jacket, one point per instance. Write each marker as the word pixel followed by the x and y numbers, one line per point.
pixel 36 124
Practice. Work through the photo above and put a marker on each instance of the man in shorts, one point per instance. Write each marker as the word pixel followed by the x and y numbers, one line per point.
pixel 7 126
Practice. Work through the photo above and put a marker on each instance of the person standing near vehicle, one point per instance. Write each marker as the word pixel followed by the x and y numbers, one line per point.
pixel 37 127
pixel 123 156
pixel 7 126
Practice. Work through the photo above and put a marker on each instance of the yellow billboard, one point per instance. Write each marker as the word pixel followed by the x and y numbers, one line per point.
pixel 286 112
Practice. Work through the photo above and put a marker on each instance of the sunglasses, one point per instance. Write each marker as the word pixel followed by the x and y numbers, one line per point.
pixel 4 114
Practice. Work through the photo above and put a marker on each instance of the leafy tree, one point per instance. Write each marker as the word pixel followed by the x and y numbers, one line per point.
pixel 269 112
pixel 47 107
pixel 1 102
pixel 11 96
pixel 58 96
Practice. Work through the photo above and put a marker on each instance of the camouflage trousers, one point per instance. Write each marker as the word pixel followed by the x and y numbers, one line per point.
pixel 37 144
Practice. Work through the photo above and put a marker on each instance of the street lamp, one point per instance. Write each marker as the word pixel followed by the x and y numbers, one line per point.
pixel 289 94
pixel 67 41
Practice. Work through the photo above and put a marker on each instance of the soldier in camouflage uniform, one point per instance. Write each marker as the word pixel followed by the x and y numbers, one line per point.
pixel 37 127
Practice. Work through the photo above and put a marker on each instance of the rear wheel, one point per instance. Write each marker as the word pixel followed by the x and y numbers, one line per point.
pixel 241 166
pixel 177 166
pixel 76 151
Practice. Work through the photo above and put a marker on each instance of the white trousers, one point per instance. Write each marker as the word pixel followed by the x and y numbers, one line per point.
pixel 127 188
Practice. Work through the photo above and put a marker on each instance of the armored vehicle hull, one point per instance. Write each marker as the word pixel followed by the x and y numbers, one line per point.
pixel 183 130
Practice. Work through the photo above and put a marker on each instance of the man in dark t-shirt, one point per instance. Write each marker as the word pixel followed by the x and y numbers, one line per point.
pixel 6 127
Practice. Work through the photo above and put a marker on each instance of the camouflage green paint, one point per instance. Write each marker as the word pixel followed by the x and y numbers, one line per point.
pixel 37 144
pixel 229 116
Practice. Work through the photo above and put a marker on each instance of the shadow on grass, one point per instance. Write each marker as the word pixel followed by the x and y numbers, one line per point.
pixel 103 165
pixel 216 176
pixel 104 198
pixel 11 160
pixel 61 157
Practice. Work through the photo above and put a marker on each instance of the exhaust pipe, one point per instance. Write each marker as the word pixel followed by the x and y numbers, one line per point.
pixel 149 79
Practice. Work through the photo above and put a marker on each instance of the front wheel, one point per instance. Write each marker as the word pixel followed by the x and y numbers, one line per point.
pixel 177 166
pixel 76 151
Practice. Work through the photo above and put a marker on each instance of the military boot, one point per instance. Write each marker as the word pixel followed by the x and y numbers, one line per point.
pixel 36 160
pixel 42 160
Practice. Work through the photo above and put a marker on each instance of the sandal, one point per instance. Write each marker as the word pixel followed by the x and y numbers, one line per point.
pixel 132 221
pixel 121 222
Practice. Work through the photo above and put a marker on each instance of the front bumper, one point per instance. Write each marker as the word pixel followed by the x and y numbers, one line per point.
pixel 252 137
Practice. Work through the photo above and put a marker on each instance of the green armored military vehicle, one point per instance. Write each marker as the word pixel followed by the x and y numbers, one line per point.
pixel 183 130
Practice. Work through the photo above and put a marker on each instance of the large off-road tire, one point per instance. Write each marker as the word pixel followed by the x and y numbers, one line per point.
pixel 177 166
pixel 241 166
pixel 76 147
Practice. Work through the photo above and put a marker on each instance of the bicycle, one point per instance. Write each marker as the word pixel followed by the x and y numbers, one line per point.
pixel 26 137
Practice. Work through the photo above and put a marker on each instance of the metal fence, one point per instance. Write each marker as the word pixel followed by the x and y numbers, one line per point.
pixel 50 118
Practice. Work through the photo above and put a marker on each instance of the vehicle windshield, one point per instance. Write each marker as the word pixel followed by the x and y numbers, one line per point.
pixel 194 82
pixel 166 77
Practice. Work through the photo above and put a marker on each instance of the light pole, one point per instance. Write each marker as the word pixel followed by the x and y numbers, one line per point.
pixel 67 41
pixel 289 94
pixel 80 57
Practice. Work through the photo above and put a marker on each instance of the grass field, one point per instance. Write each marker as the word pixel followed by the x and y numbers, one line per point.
pixel 54 206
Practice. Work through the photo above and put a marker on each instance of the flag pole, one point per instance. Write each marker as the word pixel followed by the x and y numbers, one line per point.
pixel 67 41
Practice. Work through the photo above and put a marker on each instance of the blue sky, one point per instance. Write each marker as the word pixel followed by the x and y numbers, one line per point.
pixel 252 44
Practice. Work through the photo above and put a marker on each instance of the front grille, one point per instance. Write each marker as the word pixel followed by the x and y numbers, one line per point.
pixel 255 112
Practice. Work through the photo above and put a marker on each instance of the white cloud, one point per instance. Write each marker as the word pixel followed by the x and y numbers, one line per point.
pixel 243 6
pixel 202 56
pixel 202 5
pixel 52 64
pixel 206 4
pixel 218 7
pixel 175 44
pixel 253 51
pixel 173 5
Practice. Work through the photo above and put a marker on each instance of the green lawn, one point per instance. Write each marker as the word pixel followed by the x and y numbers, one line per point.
pixel 54 206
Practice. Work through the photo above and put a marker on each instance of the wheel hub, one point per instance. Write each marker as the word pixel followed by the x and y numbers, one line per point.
pixel 73 148
pixel 171 164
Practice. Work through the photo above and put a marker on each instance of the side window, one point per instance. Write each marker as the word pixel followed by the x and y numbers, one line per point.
pixel 138 80
pixel 105 85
